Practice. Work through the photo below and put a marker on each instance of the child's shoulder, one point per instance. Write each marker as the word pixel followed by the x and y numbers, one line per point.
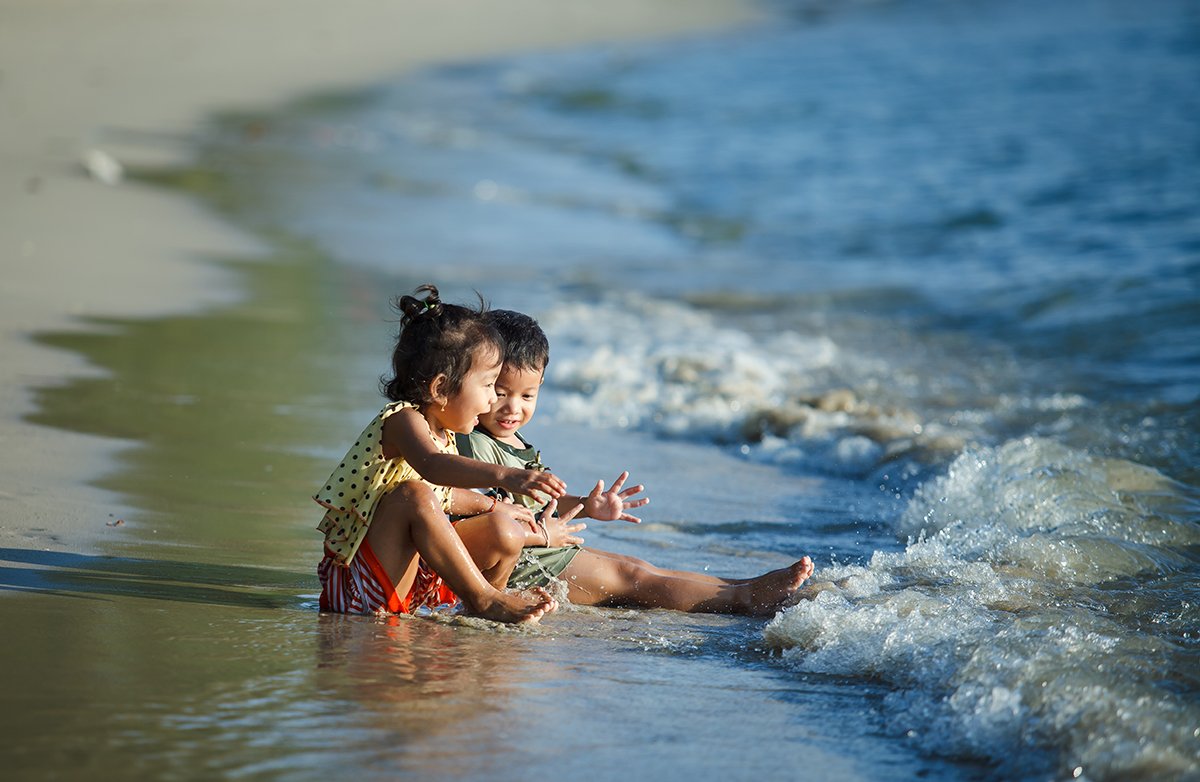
pixel 476 443
pixel 480 444
pixel 393 412
pixel 391 408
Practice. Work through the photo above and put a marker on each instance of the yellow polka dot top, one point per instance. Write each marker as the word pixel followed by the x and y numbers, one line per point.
pixel 353 491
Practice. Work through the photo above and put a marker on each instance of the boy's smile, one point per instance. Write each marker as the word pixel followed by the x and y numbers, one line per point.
pixel 516 401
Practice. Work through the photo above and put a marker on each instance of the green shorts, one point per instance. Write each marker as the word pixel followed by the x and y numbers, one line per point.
pixel 539 564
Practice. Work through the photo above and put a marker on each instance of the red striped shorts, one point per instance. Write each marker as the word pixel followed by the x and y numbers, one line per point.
pixel 363 587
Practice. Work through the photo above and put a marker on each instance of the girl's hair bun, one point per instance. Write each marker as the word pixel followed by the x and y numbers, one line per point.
pixel 437 339
pixel 413 309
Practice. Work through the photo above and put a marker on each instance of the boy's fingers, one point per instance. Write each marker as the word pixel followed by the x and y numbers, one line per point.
pixel 630 519
pixel 620 481
pixel 630 492
pixel 638 503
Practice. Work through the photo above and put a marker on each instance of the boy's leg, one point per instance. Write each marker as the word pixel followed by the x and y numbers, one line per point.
pixel 408 523
pixel 494 541
pixel 600 578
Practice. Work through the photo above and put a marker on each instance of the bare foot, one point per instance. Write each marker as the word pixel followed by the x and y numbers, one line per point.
pixel 528 606
pixel 771 590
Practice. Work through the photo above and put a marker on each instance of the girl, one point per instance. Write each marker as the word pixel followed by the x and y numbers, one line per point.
pixel 389 544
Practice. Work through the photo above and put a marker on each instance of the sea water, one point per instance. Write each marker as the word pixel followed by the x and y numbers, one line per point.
pixel 941 259
pixel 947 254
pixel 910 287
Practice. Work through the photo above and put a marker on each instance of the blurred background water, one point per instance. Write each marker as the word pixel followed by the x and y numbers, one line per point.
pixel 912 287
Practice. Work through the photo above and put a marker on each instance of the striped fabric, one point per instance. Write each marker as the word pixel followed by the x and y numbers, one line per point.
pixel 363 587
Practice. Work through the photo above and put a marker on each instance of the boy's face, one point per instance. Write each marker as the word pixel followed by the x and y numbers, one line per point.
pixel 516 399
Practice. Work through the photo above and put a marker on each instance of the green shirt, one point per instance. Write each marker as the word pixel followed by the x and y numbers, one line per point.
pixel 538 565
pixel 481 445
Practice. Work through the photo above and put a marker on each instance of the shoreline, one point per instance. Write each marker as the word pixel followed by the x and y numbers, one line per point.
pixel 132 78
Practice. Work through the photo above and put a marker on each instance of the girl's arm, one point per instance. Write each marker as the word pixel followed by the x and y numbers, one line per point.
pixel 464 502
pixel 406 434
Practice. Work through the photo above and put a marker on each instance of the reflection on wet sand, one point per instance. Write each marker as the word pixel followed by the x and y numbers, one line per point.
pixel 430 683
pixel 87 576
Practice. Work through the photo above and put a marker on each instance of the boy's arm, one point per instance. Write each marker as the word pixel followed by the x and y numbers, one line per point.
pixel 611 505
pixel 406 433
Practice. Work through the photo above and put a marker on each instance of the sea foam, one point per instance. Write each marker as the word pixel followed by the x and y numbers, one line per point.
pixel 677 371
pixel 1002 626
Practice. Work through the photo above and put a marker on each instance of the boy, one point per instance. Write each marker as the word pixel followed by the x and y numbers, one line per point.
pixel 595 577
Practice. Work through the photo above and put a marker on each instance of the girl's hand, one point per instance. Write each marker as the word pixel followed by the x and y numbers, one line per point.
pixel 519 512
pixel 559 530
pixel 612 505
pixel 535 483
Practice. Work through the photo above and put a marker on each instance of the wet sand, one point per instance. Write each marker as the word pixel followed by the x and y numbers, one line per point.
pixel 131 79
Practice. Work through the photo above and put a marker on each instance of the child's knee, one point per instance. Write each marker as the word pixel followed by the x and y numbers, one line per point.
pixel 507 532
pixel 635 573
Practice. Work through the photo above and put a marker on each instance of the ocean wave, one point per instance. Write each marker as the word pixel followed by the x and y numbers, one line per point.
pixel 1004 625
pixel 675 370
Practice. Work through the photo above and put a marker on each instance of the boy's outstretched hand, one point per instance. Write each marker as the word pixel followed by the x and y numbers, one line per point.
pixel 559 530
pixel 612 505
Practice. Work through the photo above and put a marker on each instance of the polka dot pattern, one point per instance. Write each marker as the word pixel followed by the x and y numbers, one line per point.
pixel 353 491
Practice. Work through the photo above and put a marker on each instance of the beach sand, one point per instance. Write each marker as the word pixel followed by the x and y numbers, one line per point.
pixel 130 79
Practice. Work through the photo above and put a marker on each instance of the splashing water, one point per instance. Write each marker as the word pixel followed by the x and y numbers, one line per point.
pixel 1007 625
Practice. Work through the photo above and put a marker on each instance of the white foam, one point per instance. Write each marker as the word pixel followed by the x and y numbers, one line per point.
pixel 1056 513
pixel 675 370
pixel 986 626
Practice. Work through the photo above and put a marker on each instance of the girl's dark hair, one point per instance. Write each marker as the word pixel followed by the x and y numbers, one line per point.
pixel 526 346
pixel 436 339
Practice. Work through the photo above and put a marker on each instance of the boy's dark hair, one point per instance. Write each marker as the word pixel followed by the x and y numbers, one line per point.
pixel 526 346
pixel 436 339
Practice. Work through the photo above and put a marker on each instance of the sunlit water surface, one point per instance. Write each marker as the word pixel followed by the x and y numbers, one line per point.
pixel 913 288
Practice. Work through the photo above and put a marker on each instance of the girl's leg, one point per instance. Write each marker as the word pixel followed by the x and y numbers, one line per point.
pixel 601 578
pixel 494 541
pixel 409 523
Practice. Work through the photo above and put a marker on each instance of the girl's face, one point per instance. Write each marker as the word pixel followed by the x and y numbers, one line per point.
pixel 476 395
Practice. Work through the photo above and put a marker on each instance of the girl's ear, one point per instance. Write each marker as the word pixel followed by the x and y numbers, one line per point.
pixel 437 389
